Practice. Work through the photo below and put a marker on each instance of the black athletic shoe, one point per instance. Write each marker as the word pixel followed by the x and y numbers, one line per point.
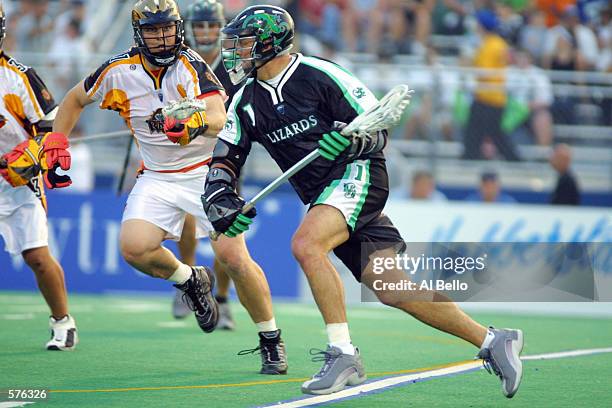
pixel 272 350
pixel 197 294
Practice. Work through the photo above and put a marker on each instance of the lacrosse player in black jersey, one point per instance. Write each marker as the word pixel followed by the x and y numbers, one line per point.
pixel 292 105
pixel 203 22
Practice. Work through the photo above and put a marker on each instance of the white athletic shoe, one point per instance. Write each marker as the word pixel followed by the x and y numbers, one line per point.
pixel 226 320
pixel 63 334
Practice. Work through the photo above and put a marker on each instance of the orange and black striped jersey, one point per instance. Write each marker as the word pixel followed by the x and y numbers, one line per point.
pixel 24 101
pixel 125 84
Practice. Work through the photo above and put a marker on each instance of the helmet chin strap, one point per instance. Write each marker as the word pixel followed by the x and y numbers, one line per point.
pixel 261 65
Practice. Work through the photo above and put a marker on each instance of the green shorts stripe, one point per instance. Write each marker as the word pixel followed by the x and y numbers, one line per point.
pixel 330 189
pixel 362 198
pixel 348 193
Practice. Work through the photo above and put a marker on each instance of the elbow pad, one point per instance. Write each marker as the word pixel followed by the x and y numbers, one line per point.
pixel 230 155
pixel 218 175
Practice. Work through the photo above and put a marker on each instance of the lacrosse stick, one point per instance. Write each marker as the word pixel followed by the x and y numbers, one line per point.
pixel 126 162
pixel 184 108
pixel 383 115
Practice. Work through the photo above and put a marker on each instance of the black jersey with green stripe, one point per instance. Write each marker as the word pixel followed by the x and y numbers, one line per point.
pixel 310 97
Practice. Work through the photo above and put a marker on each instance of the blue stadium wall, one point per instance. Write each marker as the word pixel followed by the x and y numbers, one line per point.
pixel 84 232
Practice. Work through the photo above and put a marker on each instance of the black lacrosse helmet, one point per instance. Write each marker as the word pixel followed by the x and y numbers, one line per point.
pixel 207 15
pixel 255 36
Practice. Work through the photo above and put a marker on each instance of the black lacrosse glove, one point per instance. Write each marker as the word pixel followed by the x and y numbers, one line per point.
pixel 223 205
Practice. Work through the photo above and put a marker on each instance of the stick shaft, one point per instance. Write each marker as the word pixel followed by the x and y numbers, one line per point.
pixel 102 136
pixel 126 162
pixel 281 179
pixel 214 235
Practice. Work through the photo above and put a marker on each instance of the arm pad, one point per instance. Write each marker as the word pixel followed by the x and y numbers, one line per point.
pixel 230 155
pixel 220 175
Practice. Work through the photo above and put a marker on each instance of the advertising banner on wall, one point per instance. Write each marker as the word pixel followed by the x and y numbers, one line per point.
pixel 84 237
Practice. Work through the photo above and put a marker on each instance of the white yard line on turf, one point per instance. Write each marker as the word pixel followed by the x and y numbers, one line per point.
pixel 389 382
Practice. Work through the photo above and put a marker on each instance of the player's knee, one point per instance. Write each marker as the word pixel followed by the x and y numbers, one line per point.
pixel 304 249
pixel 233 263
pixel 37 259
pixel 133 253
pixel 388 299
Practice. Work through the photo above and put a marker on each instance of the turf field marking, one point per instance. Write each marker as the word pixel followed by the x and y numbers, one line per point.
pixel 173 325
pixel 14 404
pixel 566 354
pixel 139 307
pixel 18 316
pixel 416 375
pixel 183 387
pixel 375 386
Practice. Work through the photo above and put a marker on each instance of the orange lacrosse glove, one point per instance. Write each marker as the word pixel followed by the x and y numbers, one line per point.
pixel 54 155
pixel 184 131
pixel 21 164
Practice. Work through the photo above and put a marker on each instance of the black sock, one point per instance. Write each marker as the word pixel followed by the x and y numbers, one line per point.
pixel 271 336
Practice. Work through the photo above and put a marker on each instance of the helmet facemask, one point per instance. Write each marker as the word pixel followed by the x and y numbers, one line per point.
pixel 165 52
pixel 158 31
pixel 239 56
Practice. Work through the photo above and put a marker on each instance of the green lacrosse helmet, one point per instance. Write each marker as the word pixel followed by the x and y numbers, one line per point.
pixel 254 37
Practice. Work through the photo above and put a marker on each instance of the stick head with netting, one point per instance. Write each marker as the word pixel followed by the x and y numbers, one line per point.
pixel 384 115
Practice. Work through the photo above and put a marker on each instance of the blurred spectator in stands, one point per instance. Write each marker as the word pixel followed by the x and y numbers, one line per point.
pixel 487 108
pixel 68 56
pixel 449 16
pixel 574 40
pixel 510 20
pixel 590 11
pixel 490 190
pixel 530 98
pixel 330 21
pixel 604 37
pixel 32 25
pixel 552 9
pixel 74 10
pixel 436 87
pixel 233 7
pixel 422 188
pixel 532 35
pixel 566 192
pixel 402 19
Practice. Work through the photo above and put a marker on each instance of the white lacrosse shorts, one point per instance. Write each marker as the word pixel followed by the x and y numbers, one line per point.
pixel 23 221
pixel 165 199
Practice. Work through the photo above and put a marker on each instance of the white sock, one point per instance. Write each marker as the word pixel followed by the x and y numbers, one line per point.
pixel 181 275
pixel 339 336
pixel 488 339
pixel 267 326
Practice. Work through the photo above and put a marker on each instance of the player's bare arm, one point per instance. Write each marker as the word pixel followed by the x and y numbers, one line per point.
pixel 70 109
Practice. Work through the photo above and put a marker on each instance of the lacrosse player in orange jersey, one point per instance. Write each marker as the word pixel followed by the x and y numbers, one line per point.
pixel 30 157
pixel 176 141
